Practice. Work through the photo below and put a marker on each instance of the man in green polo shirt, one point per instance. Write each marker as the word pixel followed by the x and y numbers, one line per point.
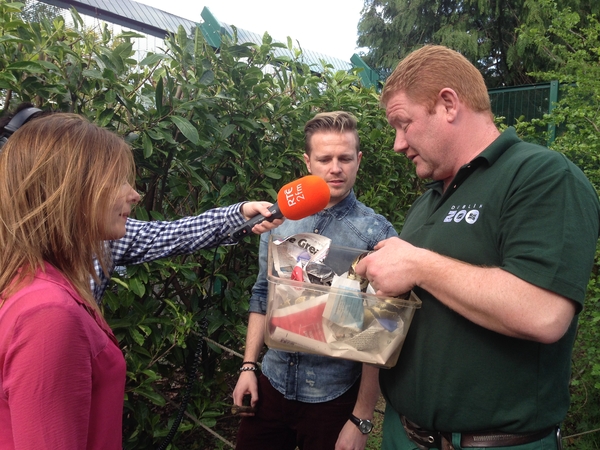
pixel 499 249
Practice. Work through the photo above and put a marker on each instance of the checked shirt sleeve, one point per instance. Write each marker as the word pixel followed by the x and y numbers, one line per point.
pixel 148 241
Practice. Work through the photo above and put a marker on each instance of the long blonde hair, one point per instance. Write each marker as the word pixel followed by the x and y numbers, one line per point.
pixel 59 178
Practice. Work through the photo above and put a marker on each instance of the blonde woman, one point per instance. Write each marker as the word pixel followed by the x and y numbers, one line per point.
pixel 65 188
pixel 65 191
pixel 146 241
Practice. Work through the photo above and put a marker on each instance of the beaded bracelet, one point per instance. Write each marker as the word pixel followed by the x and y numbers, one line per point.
pixel 246 369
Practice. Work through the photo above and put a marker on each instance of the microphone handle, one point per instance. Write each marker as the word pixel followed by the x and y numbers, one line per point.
pixel 246 228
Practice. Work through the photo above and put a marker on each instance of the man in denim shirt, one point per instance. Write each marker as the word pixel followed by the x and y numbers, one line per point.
pixel 302 399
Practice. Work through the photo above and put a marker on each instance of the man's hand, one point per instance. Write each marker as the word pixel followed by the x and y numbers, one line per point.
pixel 251 209
pixel 488 296
pixel 350 438
pixel 247 384
pixel 391 269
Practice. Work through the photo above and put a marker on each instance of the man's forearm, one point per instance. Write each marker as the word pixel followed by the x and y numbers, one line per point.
pixel 368 393
pixel 488 296
pixel 255 337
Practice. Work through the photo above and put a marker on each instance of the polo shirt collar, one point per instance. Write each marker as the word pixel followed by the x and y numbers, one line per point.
pixel 489 155
pixel 497 148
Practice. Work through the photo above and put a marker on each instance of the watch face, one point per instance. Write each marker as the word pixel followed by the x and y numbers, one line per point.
pixel 365 426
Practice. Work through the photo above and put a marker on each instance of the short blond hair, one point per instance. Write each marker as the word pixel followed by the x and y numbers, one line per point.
pixel 337 121
pixel 428 70
pixel 59 178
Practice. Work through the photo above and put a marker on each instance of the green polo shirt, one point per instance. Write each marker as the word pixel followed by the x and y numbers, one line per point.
pixel 532 212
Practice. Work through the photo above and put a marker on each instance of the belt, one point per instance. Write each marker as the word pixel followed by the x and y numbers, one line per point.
pixel 442 440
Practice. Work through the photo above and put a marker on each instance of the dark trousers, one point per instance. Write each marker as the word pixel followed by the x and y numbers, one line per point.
pixel 281 424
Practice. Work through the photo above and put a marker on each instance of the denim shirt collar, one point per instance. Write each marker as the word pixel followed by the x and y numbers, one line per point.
pixel 342 209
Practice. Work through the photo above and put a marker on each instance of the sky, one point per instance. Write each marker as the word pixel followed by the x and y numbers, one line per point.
pixel 325 26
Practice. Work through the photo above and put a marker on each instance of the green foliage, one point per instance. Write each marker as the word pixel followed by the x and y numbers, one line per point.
pixel 483 31
pixel 574 43
pixel 207 129
pixel 212 128
pixel 34 11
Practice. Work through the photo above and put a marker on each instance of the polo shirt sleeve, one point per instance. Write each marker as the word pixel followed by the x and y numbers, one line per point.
pixel 549 226
pixel 47 378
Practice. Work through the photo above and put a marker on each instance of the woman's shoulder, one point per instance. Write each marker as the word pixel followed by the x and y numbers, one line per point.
pixel 46 289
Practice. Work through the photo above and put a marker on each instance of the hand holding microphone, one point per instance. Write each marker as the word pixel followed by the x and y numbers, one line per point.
pixel 296 200
pixel 252 209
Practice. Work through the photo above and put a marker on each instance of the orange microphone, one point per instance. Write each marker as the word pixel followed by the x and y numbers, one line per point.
pixel 296 200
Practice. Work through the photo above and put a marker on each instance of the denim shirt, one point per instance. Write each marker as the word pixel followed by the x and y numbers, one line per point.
pixel 301 376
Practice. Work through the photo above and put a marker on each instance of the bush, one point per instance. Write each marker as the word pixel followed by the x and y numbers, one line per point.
pixel 573 42
pixel 207 129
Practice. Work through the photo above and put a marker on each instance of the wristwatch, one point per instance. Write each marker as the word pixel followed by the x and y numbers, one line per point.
pixel 365 426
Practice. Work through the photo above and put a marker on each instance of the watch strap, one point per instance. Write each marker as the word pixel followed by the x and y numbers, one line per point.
pixel 365 426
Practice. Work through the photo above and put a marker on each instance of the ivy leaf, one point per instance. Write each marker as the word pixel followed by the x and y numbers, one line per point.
pixel 159 96
pixel 227 131
pixel 186 128
pixel 147 145
pixel 207 78
pixel 137 287
pixel 152 396
pixel 226 190
pixel 137 336
pixel 272 173
pixel 28 66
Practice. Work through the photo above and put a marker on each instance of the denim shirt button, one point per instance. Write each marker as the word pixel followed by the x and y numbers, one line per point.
pixel 291 364
pixel 316 231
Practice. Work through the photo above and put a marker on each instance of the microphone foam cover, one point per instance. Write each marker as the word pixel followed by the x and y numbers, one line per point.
pixel 303 197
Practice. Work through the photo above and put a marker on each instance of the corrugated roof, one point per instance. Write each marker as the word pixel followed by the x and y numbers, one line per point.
pixel 155 22
pixel 309 57
pixel 130 14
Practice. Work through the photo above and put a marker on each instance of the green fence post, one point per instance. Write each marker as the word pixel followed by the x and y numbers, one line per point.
pixel 552 101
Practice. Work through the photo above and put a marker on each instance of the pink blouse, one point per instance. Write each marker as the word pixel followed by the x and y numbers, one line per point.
pixel 62 374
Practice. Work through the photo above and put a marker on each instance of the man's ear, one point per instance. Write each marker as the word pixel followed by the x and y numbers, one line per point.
pixel 307 162
pixel 449 100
